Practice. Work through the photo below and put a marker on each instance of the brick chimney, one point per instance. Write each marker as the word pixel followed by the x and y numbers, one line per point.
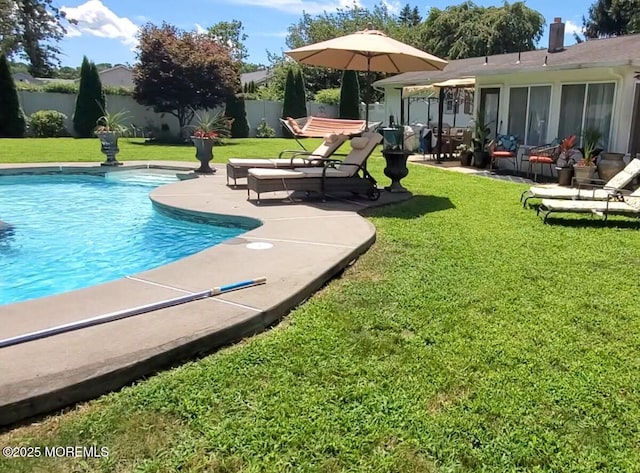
pixel 556 36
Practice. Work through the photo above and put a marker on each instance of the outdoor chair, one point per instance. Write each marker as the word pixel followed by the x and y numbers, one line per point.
pixel 348 175
pixel 614 185
pixel 548 154
pixel 615 204
pixel 238 168
pixel 318 127
pixel 504 147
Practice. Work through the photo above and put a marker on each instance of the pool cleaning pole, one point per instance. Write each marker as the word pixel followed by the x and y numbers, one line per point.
pixel 121 314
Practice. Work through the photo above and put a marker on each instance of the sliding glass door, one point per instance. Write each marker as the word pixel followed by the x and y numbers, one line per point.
pixel 489 104
pixel 529 114
pixel 585 106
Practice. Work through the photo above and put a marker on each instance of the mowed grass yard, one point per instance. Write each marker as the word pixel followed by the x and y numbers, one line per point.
pixel 471 337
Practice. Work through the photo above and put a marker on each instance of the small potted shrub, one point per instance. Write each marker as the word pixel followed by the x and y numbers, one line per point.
pixel 568 157
pixel 585 168
pixel 466 154
pixel 481 133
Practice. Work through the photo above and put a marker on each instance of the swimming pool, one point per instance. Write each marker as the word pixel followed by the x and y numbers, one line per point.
pixel 74 231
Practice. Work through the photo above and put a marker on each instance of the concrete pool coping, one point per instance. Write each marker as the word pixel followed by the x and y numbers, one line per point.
pixel 308 241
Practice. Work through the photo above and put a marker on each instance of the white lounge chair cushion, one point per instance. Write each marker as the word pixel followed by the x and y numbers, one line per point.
pixel 633 201
pixel 270 163
pixel 265 173
pixel 587 206
pixel 317 172
pixel 556 192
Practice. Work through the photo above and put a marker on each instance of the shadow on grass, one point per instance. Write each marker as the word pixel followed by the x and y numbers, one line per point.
pixel 175 144
pixel 415 207
pixel 593 223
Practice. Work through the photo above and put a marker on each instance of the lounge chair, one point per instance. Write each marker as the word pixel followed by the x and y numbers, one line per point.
pixel 237 168
pixel 317 127
pixel 348 175
pixel 615 204
pixel 613 185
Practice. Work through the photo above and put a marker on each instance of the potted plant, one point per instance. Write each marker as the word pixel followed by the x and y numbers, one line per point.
pixel 568 157
pixel 481 133
pixel 585 168
pixel 210 127
pixel 109 127
pixel 466 154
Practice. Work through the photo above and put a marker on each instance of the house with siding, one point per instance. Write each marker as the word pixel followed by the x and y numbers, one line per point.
pixel 555 92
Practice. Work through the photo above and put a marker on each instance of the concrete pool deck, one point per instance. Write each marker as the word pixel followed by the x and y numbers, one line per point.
pixel 307 243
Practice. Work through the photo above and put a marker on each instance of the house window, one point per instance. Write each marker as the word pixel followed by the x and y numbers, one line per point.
pixel 449 101
pixel 529 113
pixel 586 105
pixel 457 100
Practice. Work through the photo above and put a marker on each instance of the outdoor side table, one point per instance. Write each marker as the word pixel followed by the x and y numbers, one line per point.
pixel 396 169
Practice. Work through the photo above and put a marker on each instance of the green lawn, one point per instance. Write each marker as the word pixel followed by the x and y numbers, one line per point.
pixel 471 337
pixel 43 150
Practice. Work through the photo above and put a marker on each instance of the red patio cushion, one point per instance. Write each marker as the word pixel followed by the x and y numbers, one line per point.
pixel 541 159
pixel 503 154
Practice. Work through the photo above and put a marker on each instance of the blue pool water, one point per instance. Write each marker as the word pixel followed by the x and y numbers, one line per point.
pixel 74 231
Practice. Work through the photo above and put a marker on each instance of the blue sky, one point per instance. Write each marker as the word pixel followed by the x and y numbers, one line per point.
pixel 107 28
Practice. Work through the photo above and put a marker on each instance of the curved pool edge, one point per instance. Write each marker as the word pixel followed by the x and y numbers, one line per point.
pixel 54 372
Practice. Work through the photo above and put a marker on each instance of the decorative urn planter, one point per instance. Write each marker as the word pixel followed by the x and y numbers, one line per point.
pixel 204 153
pixel 610 164
pixel 109 146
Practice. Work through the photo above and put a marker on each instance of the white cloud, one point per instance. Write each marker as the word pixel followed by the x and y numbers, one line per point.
pixel 200 29
pixel 570 28
pixel 297 6
pixel 97 20
pixel 392 5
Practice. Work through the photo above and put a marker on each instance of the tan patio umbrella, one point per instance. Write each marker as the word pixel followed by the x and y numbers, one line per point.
pixel 368 50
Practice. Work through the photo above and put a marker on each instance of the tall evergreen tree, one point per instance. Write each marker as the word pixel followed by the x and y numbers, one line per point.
pixel 300 94
pixel 350 96
pixel 12 122
pixel 90 102
pixel 409 16
pixel 291 106
pixel 235 109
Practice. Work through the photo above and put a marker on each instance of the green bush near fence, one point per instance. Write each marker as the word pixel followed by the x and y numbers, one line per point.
pixel 47 124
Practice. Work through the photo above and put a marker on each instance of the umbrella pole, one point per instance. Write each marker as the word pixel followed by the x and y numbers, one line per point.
pixel 440 119
pixel 366 106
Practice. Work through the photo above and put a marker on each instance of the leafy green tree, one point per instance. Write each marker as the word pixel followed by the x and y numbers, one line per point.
pixel 235 109
pixel 90 102
pixel 612 18
pixel 467 30
pixel 231 35
pixel 328 96
pixel 350 96
pixel 7 30
pixel 32 29
pixel 12 122
pixel 179 72
pixel 312 29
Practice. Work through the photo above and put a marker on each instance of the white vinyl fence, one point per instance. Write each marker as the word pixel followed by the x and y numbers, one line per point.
pixel 144 118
